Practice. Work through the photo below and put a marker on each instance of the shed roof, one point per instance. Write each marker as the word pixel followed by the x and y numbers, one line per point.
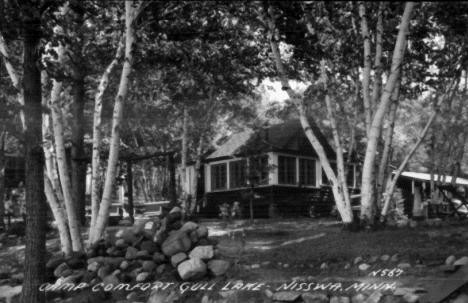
pixel 427 177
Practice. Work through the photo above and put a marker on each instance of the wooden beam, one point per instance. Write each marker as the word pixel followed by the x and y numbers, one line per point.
pixel 172 182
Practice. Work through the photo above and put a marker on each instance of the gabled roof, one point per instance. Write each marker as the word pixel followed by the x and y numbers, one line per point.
pixel 232 145
pixel 287 137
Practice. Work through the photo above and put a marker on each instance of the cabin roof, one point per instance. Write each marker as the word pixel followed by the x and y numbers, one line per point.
pixel 274 138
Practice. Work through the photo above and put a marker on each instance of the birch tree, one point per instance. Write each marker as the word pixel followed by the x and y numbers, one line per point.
pixel 97 230
pixel 341 198
pixel 375 130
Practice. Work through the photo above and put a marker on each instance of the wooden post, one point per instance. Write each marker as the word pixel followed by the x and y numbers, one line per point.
pixel 172 182
pixel 130 191
pixel 417 205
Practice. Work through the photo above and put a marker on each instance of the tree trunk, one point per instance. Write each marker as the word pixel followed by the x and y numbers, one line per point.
pixel 196 176
pixel 62 165
pixel 377 85
pixel 13 76
pixel 367 67
pixel 384 160
pixel 344 207
pixel 391 185
pixel 184 161
pixel 2 180
pixel 341 176
pixel 103 216
pixel 36 207
pixel 96 183
pixel 78 168
pixel 367 171
pixel 60 215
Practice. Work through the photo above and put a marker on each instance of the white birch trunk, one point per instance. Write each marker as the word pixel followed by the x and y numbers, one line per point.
pixel 184 161
pixel 377 85
pixel 101 221
pixel 343 206
pixel 391 185
pixel 196 177
pixel 60 216
pixel 342 187
pixel 13 76
pixel 367 171
pixel 97 137
pixel 367 67
pixel 62 165
pixel 384 161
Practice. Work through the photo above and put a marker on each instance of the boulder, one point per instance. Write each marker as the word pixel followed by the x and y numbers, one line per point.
pixel 286 296
pixel 76 263
pixel 88 277
pixel 139 225
pixel 177 242
pixel 58 271
pixel 192 269
pixel 105 270
pixel 144 255
pixel 55 261
pixel 111 280
pixel 143 277
pixel 131 253
pixel 158 257
pixel 462 261
pixel 110 251
pixel 9 292
pixel 357 260
pixel 178 258
pixel 121 243
pixel 124 265
pixel 189 227
pixel 385 258
pixel 312 297
pixel 202 252
pixel 173 217
pixel 462 298
pixel 218 267
pixel 340 299
pixel 450 260
pixel 67 272
pixel 404 266
pixel 364 267
pixel 149 246
pixel 149 266
pixel 202 232
pixel 161 269
pixel 193 236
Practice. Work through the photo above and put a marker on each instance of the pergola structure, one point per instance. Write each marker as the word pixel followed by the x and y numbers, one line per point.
pixel 131 158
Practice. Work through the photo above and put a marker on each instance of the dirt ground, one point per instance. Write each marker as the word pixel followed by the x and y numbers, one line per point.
pixel 281 250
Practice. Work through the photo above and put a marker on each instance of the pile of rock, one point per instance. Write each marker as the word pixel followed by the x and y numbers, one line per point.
pixel 150 250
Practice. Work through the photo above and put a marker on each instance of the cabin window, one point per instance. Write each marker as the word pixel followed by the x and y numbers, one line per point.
pixel 325 180
pixel 219 176
pixel 286 170
pixel 237 174
pixel 307 174
pixel 259 170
